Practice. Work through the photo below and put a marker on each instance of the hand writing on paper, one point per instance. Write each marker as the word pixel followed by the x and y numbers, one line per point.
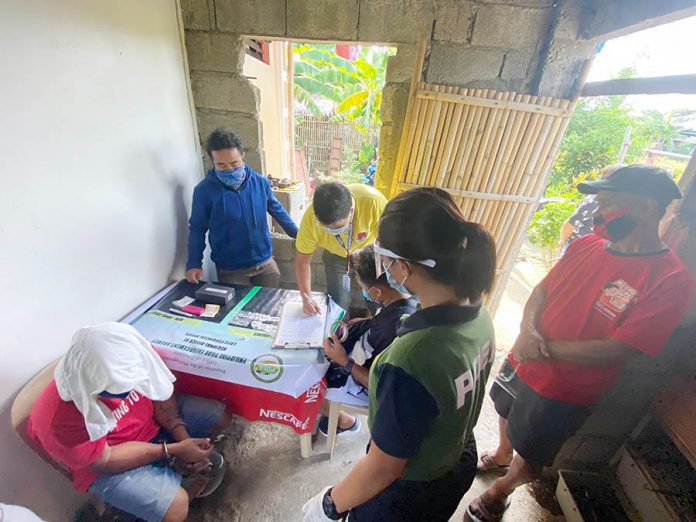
pixel 309 305
pixel 335 351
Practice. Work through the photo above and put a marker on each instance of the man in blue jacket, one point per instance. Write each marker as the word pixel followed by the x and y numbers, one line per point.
pixel 231 204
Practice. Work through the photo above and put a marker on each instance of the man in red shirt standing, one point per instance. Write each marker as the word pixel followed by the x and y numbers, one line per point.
pixel 110 418
pixel 615 293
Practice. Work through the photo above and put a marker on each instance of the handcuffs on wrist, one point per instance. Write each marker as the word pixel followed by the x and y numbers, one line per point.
pixel 167 456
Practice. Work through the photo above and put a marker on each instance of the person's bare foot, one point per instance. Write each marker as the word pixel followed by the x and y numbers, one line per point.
pixel 493 460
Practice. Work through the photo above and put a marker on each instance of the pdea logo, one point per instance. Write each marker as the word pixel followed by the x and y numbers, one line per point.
pixel 267 368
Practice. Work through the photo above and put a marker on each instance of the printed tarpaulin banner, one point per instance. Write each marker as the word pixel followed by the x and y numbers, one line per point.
pixel 231 354
pixel 255 404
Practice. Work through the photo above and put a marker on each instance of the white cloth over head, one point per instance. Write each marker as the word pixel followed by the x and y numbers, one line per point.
pixel 110 357
pixel 13 513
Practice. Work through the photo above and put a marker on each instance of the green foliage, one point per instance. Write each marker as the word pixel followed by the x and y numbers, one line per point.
pixel 674 165
pixel 367 155
pixel 546 226
pixel 354 88
pixel 357 164
pixel 597 130
pixel 661 130
pixel 564 191
pixel 594 138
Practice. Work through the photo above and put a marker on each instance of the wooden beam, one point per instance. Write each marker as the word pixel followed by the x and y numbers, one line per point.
pixel 492 103
pixel 415 79
pixel 613 18
pixel 478 195
pixel 679 84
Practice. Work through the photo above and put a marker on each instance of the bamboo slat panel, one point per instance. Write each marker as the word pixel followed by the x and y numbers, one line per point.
pixel 315 136
pixel 492 151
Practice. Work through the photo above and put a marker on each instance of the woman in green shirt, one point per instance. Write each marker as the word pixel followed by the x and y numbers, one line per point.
pixel 427 387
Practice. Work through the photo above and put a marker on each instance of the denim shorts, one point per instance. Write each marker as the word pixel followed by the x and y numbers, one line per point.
pixel 148 491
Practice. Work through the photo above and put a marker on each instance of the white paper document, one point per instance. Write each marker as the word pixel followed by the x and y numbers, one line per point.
pixel 299 330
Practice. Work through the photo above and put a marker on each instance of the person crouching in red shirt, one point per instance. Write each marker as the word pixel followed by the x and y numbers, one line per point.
pixel 615 293
pixel 111 419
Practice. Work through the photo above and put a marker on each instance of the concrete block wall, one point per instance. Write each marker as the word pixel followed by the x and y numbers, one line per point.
pixel 539 47
pixel 622 408
pixel 477 43
pixel 284 254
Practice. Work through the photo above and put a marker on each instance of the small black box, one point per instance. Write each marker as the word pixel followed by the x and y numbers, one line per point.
pixel 215 294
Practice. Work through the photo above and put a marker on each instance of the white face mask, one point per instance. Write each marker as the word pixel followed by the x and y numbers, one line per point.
pixel 338 231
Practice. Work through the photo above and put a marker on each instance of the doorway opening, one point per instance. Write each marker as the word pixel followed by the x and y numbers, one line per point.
pixel 320 104
pixel 656 128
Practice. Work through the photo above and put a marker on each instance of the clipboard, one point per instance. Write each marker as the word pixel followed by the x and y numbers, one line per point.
pixel 298 331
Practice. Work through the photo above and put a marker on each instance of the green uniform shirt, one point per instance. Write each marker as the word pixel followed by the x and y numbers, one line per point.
pixel 427 388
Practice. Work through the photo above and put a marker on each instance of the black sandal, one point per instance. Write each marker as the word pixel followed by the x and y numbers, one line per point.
pixel 205 482
pixel 487 511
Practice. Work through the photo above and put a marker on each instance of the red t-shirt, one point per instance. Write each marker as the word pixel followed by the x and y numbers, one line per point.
pixel 596 293
pixel 59 428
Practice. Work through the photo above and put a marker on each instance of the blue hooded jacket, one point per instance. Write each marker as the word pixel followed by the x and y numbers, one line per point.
pixel 235 221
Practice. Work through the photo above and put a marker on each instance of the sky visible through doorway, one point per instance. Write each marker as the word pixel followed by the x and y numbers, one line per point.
pixel 660 51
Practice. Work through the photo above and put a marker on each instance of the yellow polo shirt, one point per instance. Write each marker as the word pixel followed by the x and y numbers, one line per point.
pixel 369 204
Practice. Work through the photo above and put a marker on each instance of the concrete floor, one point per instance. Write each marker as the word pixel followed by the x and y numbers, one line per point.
pixel 267 480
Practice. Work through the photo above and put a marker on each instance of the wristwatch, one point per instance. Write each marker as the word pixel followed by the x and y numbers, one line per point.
pixel 330 508
pixel 348 368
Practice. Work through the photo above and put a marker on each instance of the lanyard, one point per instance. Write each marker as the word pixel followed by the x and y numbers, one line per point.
pixel 350 243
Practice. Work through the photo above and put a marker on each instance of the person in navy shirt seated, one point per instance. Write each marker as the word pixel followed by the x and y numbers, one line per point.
pixel 367 337
pixel 230 204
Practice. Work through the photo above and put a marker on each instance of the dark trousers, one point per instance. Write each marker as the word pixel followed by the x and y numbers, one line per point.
pixel 265 274
pixel 415 501
pixel 335 269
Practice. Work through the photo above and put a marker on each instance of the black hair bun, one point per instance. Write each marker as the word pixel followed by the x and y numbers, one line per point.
pixel 448 232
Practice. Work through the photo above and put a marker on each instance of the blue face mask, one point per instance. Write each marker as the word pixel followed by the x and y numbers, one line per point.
pixel 368 298
pixel 399 287
pixel 232 178
pixel 106 395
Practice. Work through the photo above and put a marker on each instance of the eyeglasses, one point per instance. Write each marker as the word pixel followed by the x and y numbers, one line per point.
pixel 382 254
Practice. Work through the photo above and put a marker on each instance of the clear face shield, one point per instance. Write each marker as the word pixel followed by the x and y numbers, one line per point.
pixel 384 259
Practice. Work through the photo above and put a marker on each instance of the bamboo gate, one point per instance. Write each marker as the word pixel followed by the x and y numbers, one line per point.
pixel 316 134
pixel 491 150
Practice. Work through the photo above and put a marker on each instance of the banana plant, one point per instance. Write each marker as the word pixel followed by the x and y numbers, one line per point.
pixel 354 88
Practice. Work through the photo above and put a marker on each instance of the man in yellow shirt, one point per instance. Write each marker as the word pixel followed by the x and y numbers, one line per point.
pixel 341 220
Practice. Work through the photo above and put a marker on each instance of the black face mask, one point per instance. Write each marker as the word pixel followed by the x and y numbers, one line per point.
pixel 614 229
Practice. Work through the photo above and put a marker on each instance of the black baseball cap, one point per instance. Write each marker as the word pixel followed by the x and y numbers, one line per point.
pixel 644 180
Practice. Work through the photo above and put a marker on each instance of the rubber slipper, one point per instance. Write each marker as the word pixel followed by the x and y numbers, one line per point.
pixel 215 474
pixel 206 481
pixel 488 463
pixel 487 513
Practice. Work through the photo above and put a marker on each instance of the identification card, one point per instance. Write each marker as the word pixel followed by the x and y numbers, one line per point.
pixel 346 282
